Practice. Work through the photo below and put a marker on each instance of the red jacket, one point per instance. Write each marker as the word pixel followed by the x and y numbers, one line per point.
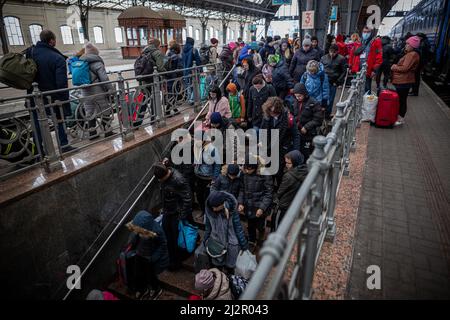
pixel 374 60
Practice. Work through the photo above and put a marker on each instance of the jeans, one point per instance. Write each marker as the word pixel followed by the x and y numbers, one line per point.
pixel 402 91
pixel 368 86
pixel 170 227
pixel 331 99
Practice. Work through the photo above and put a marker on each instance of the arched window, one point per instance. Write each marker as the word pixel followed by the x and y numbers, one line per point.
pixel 80 32
pixel 191 31
pixel 206 35
pixel 119 35
pixel 35 31
pixel 13 31
pixel 66 35
pixel 197 34
pixel 183 35
pixel 98 34
pixel 216 34
pixel 211 32
pixel 232 35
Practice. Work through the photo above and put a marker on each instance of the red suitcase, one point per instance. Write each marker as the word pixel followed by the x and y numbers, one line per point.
pixel 387 109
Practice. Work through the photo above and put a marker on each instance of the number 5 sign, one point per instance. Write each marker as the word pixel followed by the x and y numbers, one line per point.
pixel 308 19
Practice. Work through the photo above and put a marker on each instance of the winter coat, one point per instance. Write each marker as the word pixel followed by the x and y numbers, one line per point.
pixel 226 57
pixel 388 52
pixel 374 58
pixel 225 183
pixel 255 101
pixel 335 68
pixel 404 71
pixel 221 288
pixel 213 55
pixel 222 229
pixel 300 60
pixel 320 51
pixel 202 169
pixel 291 182
pixel 256 193
pixel 353 60
pixel 157 56
pixel 288 137
pixel 221 106
pixel 281 79
pixel 287 59
pixel 317 85
pixel 189 55
pixel 154 249
pixel 175 63
pixel 257 60
pixel 51 73
pixel 248 78
pixel 175 195
pixel 98 74
pixel 309 116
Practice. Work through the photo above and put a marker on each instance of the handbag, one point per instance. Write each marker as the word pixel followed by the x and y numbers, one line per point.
pixel 214 248
pixel 187 236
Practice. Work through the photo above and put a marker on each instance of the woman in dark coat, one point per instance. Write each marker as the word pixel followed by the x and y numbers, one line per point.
pixel 301 59
pixel 152 255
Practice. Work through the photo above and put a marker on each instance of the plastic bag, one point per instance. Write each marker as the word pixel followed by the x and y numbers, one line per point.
pixel 187 236
pixel 245 264
pixel 369 107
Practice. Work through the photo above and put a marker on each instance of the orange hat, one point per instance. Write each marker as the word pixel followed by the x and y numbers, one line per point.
pixel 244 62
pixel 231 87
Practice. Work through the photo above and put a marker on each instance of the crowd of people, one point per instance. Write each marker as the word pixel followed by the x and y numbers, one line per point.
pixel 278 83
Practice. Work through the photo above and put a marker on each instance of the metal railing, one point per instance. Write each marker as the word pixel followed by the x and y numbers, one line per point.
pixel 289 255
pixel 54 122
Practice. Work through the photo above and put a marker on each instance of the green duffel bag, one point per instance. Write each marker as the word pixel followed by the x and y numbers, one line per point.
pixel 17 71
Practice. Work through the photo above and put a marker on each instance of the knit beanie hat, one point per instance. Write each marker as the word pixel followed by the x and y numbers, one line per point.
pixel 306 42
pixel 300 88
pixel 216 198
pixel 204 280
pixel 232 46
pixel 233 169
pixel 89 48
pixel 231 87
pixel 296 157
pixel 160 170
pixel 273 58
pixel 414 42
pixel 216 118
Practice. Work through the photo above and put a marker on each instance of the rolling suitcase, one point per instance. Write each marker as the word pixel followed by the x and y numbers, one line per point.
pixel 388 108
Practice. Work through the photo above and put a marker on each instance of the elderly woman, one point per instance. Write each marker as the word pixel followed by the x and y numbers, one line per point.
pixel 403 74
pixel 97 98
pixel 213 284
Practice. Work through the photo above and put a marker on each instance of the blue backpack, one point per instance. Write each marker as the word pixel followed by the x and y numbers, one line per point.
pixel 81 73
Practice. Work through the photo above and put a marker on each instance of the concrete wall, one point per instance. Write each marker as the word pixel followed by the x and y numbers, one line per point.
pixel 44 233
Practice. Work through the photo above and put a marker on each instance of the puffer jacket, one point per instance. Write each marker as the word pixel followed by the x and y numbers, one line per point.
pixel 189 55
pixel 221 289
pixel 157 56
pixel 404 71
pixel 300 60
pixel 222 106
pixel 214 227
pixel 248 77
pixel 175 195
pixel 335 68
pixel 225 183
pixel 98 74
pixel 255 101
pixel 291 182
pixel 317 85
pixel 155 248
pixel 256 193
pixel 281 78
pixel 374 59
pixel 309 116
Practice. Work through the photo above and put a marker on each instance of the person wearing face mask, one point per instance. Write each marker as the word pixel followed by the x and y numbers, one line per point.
pixel 148 239
pixel 308 117
pixel 223 226
pixel 403 74
pixel 295 173
pixel 371 53
pixel 335 67
pixel 258 94
pixel 301 59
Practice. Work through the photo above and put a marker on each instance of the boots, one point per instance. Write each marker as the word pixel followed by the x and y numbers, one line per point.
pixel 92 132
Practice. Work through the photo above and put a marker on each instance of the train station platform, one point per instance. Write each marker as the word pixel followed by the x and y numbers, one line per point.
pixel 403 223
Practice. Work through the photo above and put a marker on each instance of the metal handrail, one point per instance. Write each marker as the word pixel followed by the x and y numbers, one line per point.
pixel 309 219
pixel 144 189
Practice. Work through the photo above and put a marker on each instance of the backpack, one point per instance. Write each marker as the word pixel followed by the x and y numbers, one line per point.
pixel 126 267
pixel 144 65
pixel 204 54
pixel 81 73
pixel 17 71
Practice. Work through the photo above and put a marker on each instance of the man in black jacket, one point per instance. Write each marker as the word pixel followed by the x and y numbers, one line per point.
pixel 388 59
pixel 335 67
pixel 177 205
pixel 229 181
pixel 258 94
pixel 308 117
